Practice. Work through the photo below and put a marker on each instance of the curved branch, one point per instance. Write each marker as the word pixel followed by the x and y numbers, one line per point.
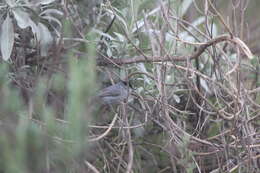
pixel 105 61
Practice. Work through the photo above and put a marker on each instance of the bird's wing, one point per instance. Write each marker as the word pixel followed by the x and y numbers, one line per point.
pixel 109 91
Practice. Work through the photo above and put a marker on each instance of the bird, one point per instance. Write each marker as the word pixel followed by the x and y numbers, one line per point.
pixel 115 94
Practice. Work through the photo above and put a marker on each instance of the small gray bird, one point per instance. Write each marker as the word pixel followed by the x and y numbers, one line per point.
pixel 115 94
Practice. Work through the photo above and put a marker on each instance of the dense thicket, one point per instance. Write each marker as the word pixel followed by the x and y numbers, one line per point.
pixel 193 65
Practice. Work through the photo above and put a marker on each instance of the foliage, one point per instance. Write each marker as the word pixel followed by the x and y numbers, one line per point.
pixel 195 104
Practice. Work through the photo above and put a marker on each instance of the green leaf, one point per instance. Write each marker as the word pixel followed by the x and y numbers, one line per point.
pixel 51 11
pixel 51 18
pixel 7 38
pixel 45 39
pixel 22 18
pixel 33 27
pixel 120 37
pixel 11 3
pixel 185 6
pixel 45 2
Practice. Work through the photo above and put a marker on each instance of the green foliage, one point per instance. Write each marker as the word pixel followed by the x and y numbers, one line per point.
pixel 178 118
pixel 34 19
pixel 40 143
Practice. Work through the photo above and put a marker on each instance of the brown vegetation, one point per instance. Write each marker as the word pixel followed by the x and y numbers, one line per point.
pixel 194 66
